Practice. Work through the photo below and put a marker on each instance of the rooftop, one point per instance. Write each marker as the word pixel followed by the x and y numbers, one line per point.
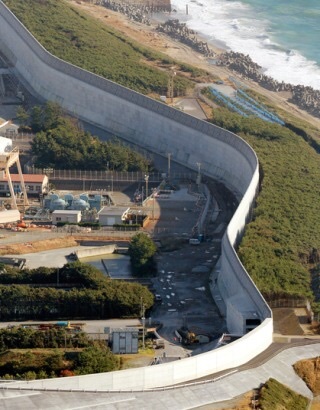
pixel 28 178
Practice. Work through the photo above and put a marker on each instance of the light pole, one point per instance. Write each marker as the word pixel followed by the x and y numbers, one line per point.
pixel 146 178
pixel 154 200
pixel 169 164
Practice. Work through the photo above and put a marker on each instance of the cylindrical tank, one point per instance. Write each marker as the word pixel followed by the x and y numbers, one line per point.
pixel 84 197
pixel 58 204
pixel 79 205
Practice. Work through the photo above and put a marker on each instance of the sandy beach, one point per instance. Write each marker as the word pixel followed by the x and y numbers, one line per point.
pixel 148 36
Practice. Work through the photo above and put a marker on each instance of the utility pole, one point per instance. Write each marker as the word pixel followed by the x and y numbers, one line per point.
pixel 143 323
pixel 170 84
pixel 146 178
pixel 199 173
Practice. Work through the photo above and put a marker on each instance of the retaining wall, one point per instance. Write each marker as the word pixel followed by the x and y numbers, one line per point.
pixel 99 250
pixel 161 129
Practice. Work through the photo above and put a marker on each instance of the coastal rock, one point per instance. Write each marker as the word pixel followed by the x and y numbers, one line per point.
pixel 140 13
pixel 304 97
pixel 180 31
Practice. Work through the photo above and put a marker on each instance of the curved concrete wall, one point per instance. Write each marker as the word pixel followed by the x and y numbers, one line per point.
pixel 161 129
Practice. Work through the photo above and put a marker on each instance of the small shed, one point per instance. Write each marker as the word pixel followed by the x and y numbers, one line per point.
pixel 111 215
pixel 125 340
pixel 71 216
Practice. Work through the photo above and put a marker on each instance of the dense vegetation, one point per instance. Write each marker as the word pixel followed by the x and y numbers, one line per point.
pixel 142 250
pixel 274 395
pixel 54 352
pixel 281 243
pixel 82 40
pixel 89 294
pixel 61 143
pixel 18 337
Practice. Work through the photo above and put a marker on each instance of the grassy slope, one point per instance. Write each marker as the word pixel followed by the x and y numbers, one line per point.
pixel 280 243
pixel 276 396
pixel 81 40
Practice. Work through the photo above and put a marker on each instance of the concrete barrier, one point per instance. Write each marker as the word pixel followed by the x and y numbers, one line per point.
pixel 160 129
pixel 99 250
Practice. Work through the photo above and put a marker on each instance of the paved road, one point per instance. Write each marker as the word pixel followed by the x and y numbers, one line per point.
pixel 90 326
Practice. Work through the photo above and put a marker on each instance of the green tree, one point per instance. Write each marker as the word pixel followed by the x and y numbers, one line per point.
pixel 61 143
pixel 142 250
pixel 54 362
pixel 36 119
pixel 87 275
pixel 96 359
pixel 22 116
pixel 52 113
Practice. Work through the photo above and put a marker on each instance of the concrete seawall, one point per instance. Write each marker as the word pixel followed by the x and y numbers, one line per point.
pixel 160 129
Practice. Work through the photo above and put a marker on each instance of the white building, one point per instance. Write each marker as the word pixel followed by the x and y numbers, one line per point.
pixel 111 215
pixel 70 216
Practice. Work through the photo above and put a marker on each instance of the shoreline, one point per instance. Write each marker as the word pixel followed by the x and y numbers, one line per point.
pixel 147 35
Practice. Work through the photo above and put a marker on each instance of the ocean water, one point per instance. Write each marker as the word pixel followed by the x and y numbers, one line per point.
pixel 282 36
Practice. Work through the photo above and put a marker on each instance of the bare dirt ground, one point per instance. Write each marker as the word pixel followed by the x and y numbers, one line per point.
pixel 148 36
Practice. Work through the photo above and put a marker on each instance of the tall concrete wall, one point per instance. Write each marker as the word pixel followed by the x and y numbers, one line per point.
pixel 179 371
pixel 161 129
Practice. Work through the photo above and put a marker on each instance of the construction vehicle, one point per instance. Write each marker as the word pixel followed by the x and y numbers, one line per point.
pixel 187 337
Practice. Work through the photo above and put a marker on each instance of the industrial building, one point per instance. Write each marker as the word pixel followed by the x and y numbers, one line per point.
pixel 125 340
pixel 109 216
pixel 35 184
pixel 65 215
